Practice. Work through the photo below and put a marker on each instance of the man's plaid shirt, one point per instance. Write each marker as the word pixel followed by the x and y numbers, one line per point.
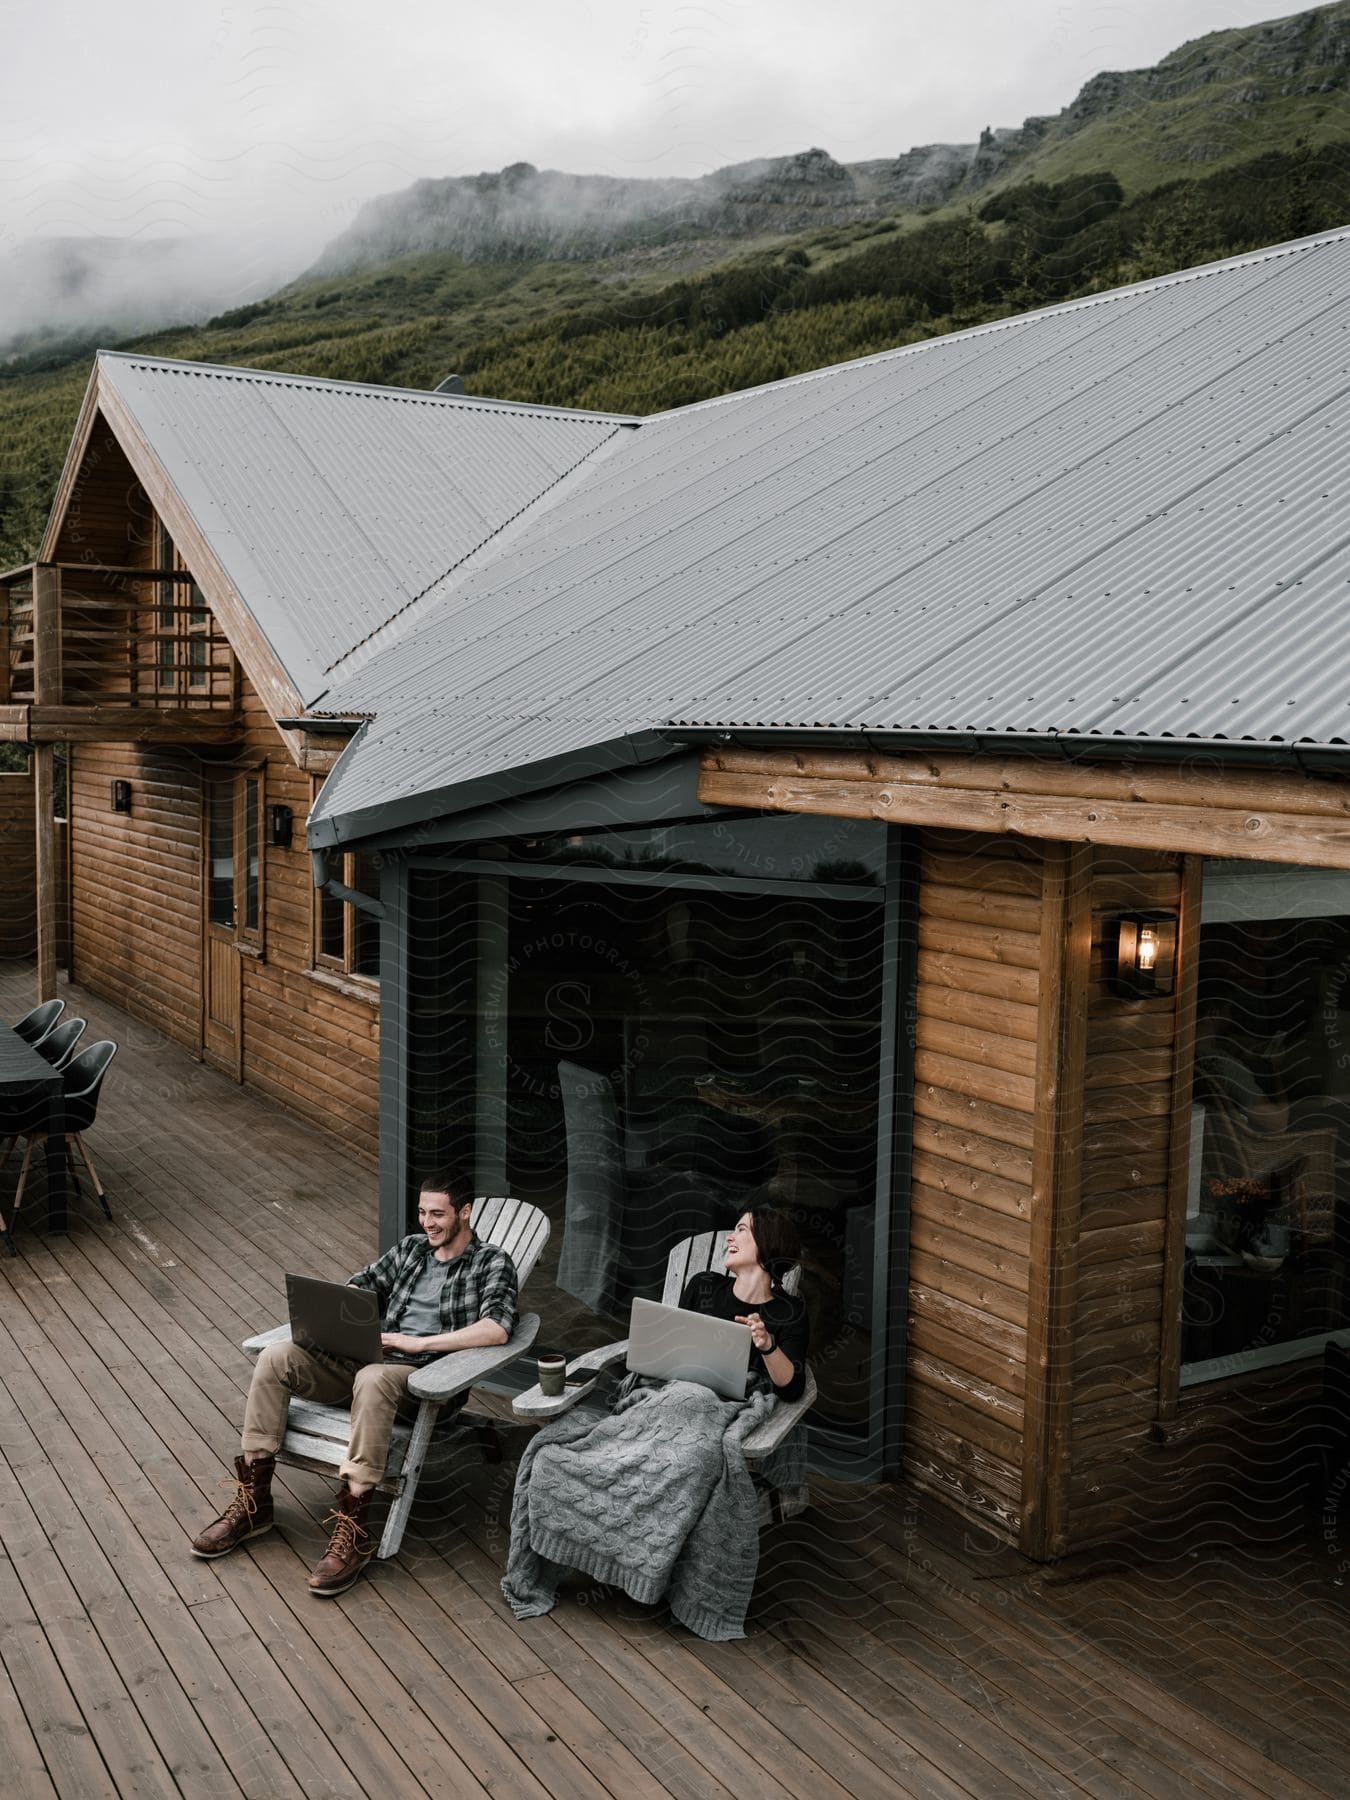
pixel 480 1283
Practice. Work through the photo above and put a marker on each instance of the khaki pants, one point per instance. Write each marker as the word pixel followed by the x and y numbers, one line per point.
pixel 375 1392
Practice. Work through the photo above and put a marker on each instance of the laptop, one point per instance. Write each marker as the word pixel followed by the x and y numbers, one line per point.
pixel 689 1346
pixel 335 1322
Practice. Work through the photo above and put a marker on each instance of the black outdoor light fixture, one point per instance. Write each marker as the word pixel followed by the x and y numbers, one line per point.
pixel 121 796
pixel 281 820
pixel 1145 954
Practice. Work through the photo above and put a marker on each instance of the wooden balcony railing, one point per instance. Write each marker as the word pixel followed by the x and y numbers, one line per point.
pixel 120 638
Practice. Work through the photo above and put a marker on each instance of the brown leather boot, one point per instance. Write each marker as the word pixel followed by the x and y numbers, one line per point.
pixel 350 1548
pixel 248 1515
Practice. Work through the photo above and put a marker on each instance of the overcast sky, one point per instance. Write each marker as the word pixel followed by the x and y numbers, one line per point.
pixel 158 118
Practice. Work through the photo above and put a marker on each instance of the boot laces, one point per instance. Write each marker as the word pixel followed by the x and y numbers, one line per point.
pixel 244 1505
pixel 347 1533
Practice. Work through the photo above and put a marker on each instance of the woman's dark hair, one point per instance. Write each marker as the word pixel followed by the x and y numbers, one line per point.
pixel 776 1237
pixel 453 1182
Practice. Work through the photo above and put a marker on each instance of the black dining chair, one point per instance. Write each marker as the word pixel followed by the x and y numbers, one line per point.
pixel 35 1025
pixel 81 1080
pixel 58 1046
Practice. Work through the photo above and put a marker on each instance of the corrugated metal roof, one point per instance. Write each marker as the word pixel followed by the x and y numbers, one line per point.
pixel 1124 517
pixel 334 506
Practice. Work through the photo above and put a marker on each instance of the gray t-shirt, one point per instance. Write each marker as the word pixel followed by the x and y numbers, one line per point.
pixel 422 1309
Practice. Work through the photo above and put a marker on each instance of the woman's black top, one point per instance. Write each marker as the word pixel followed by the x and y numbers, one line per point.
pixel 784 1314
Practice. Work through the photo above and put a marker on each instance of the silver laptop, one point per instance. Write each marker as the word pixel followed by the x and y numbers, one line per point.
pixel 689 1346
pixel 335 1322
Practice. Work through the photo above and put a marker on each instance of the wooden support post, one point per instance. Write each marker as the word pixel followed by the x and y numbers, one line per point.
pixel 1179 1141
pixel 1056 1196
pixel 48 876
pixel 47 679
pixel 47 686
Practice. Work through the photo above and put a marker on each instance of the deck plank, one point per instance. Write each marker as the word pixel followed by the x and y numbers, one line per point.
pixel 892 1650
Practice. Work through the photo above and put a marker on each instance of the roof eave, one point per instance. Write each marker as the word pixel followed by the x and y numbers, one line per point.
pixel 328 832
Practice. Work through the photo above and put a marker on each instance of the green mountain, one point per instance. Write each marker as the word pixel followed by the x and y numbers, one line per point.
pixel 564 289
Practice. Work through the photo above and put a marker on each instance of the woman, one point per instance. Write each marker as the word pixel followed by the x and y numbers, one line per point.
pixel 760 1250
pixel 654 1497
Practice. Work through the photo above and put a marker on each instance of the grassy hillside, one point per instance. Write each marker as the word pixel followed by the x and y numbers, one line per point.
pixel 1222 99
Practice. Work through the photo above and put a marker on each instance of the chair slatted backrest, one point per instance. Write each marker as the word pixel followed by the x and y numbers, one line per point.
pixel 706 1251
pixel 516 1226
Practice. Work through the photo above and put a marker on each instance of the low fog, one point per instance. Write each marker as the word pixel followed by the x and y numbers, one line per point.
pixel 57 291
pixel 161 164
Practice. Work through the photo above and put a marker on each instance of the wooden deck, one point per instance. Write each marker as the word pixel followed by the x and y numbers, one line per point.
pixel 894 1650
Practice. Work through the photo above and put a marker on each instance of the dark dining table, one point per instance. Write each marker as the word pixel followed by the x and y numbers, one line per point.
pixel 25 1076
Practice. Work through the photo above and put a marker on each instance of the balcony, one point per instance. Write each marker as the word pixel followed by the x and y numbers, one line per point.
pixel 112 654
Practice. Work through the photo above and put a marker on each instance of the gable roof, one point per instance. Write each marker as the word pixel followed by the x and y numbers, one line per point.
pixel 1120 518
pixel 332 507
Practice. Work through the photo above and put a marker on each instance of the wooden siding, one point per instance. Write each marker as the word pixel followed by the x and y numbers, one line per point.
pixel 137 904
pixel 138 928
pixel 136 884
pixel 18 865
pixel 107 519
pixel 974 1127
pixel 1127 1145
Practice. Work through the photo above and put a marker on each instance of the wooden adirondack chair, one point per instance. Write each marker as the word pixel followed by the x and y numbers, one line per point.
pixel 317 1436
pixel 690 1257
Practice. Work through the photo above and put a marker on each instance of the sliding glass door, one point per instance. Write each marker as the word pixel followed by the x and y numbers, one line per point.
pixel 644 1039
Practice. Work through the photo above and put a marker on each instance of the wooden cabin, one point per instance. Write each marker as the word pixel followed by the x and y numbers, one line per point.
pixel 918 793
pixel 203 565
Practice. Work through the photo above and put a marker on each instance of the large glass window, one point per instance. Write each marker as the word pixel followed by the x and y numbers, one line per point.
pixel 644 1055
pixel 1268 1218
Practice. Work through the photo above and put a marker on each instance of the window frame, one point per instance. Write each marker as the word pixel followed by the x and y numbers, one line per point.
pixel 243 931
pixel 1193 1378
pixel 341 867
pixel 248 936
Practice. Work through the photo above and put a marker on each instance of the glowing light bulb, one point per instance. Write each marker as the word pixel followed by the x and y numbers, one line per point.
pixel 1148 947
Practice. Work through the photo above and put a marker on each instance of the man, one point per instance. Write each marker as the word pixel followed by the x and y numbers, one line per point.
pixel 441 1289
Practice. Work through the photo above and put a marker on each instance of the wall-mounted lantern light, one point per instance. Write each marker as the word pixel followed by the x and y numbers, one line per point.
pixel 281 821
pixel 1145 953
pixel 121 796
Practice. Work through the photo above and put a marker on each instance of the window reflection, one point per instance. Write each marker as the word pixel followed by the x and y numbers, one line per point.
pixel 1268 1218
pixel 642 1061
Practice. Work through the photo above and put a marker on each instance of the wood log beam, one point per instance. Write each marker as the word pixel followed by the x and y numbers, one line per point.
pixel 1262 816
pixel 124 724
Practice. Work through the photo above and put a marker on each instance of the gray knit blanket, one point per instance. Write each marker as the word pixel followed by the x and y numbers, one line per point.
pixel 654 1498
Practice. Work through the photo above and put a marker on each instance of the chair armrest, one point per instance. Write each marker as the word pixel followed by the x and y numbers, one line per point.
pixel 254 1346
pixel 534 1403
pixel 768 1436
pixel 459 1370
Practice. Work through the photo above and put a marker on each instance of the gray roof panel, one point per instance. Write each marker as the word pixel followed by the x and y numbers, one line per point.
pixel 1120 517
pixel 334 506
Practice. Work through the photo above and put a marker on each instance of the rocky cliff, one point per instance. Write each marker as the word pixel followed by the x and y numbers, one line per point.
pixel 1196 106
